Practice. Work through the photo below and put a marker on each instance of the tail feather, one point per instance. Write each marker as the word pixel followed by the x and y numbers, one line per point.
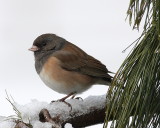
pixel 105 81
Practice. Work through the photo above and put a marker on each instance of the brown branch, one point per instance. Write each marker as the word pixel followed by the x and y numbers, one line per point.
pixel 44 116
pixel 84 113
pixel 93 115
pixel 20 124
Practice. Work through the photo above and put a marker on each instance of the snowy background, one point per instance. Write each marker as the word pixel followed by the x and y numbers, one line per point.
pixel 96 26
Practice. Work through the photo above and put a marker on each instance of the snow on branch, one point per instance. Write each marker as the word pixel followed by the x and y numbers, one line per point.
pixel 37 114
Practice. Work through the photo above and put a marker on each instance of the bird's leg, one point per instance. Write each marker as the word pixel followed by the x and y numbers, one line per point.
pixel 73 96
pixel 64 98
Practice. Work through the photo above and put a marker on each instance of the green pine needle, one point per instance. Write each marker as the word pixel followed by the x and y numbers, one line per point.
pixel 138 104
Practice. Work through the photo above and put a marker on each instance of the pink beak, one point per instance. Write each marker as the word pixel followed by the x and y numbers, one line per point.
pixel 33 48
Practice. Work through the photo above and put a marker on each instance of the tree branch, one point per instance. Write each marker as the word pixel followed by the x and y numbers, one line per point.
pixel 94 116
pixel 89 111
pixel 20 124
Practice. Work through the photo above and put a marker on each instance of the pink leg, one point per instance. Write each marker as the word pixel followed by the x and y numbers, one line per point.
pixel 73 97
pixel 64 98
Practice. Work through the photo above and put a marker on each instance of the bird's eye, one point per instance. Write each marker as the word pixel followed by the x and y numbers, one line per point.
pixel 44 43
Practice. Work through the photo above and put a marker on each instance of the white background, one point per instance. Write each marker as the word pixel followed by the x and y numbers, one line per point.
pixel 96 26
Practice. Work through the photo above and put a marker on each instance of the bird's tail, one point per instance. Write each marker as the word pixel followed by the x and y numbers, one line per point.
pixel 111 72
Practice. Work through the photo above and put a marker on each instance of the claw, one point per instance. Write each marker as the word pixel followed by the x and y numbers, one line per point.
pixel 79 98
pixel 64 98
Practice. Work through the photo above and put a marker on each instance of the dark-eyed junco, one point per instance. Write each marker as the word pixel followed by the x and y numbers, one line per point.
pixel 66 68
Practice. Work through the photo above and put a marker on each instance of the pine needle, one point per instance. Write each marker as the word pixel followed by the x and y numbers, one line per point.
pixel 17 112
pixel 138 104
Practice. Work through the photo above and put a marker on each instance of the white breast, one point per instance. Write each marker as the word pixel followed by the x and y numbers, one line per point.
pixel 61 87
pixel 51 83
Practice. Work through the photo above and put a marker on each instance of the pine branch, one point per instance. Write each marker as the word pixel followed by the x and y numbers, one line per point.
pixel 139 74
pixel 78 120
pixel 20 124
pixel 89 111
pixel 82 117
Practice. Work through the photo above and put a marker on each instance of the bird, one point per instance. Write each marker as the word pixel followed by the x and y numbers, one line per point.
pixel 66 68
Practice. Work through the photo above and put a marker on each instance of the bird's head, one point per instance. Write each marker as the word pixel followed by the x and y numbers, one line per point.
pixel 47 43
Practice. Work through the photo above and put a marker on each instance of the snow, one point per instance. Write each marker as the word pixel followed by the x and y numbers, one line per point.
pixel 38 124
pixel 6 123
pixel 67 125
pixel 2 118
pixel 30 111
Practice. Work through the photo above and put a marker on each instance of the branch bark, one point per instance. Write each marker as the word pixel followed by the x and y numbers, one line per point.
pixel 84 113
pixel 20 124
pixel 93 113
pixel 94 116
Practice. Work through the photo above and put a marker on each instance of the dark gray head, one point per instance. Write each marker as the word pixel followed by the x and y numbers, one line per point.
pixel 44 46
pixel 47 43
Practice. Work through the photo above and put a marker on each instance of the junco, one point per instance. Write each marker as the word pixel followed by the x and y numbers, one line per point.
pixel 66 68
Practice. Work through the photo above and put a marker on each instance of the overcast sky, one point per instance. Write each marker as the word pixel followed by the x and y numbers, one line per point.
pixel 96 26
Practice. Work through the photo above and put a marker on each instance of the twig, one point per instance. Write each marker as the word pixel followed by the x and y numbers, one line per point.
pixel 21 124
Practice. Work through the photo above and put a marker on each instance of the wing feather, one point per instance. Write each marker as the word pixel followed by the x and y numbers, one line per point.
pixel 75 59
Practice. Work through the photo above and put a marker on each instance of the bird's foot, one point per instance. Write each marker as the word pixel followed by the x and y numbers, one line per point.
pixel 79 98
pixel 64 98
